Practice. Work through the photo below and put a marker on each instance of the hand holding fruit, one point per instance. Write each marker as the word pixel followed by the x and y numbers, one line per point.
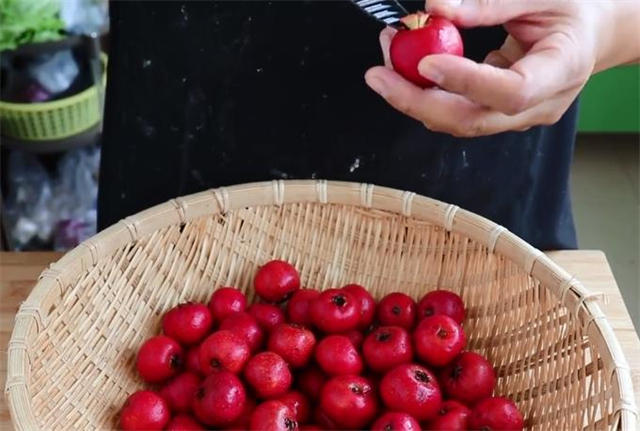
pixel 551 50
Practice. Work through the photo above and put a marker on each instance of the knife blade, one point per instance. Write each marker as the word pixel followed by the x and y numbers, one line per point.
pixel 388 12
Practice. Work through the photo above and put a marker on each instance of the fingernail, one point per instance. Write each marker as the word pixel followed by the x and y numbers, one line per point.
pixel 377 85
pixel 430 71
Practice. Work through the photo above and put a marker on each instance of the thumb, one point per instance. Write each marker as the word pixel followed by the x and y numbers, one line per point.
pixel 474 13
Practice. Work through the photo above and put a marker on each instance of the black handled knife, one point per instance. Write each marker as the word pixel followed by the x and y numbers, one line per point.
pixel 388 12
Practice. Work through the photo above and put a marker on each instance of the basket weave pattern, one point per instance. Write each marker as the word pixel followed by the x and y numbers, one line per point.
pixel 71 362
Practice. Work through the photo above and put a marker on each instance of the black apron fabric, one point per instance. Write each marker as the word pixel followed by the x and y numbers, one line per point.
pixel 203 94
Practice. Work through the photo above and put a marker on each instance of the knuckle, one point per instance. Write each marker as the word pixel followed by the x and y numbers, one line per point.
pixel 471 128
pixel 519 101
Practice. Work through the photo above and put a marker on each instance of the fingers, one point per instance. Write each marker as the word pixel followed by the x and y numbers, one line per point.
pixel 474 13
pixel 511 90
pixel 385 42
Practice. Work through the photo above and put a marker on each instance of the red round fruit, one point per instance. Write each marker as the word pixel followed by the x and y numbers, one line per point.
pixel 179 391
pixel 223 350
pixel 276 281
pixel 242 423
pixel 193 360
pixel 299 405
pixel 268 316
pixel 335 310
pixel 220 399
pixel 184 423
pixel 386 347
pixel 496 414
pixel 441 302
pixel 452 416
pixel 425 35
pixel 337 355
pixel 469 378
pixel 412 389
pixel 268 374
pixel 396 421
pixel 438 340
pixel 298 306
pixel 244 325
pixel 159 359
pixel 293 342
pixel 187 323
pixel 367 304
pixel 273 416
pixel 355 336
pixel 349 401
pixel 310 381
pixel 144 410
pixel 226 301
pixel 397 309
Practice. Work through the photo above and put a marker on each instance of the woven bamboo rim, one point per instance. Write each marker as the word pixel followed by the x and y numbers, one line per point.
pixel 608 398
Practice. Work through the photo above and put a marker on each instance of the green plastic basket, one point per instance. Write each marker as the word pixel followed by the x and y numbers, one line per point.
pixel 57 119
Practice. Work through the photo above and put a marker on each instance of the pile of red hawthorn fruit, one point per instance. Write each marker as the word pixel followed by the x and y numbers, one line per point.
pixel 309 360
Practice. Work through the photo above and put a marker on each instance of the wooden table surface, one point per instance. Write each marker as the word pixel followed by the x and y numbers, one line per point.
pixel 19 271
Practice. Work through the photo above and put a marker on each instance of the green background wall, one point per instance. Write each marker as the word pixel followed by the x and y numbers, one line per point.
pixel 610 102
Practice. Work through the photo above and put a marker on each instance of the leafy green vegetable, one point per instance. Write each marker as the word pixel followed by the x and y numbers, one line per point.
pixel 27 21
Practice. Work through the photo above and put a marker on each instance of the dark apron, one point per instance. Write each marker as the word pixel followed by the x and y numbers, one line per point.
pixel 203 94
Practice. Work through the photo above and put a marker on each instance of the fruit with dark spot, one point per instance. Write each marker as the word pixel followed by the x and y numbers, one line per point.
pixel 387 347
pixel 452 416
pixel 144 410
pixel 367 304
pixel 438 340
pixel 469 378
pixel 273 415
pixel 335 310
pixel 219 400
pixel 223 350
pixel 412 389
pixel 299 405
pixel 159 359
pixel 349 401
pixel 441 302
pixel 396 421
pixel 397 309
pixel 276 281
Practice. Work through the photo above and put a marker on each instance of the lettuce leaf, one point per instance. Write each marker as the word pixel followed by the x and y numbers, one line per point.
pixel 28 21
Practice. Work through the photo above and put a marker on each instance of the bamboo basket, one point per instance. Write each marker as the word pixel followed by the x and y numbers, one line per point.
pixel 71 354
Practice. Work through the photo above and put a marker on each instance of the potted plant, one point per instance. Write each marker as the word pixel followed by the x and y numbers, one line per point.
pixel 51 78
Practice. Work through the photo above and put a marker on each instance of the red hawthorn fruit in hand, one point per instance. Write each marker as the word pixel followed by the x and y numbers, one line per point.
pixel 424 35
pixel 244 325
pixel 441 302
pixel 159 359
pixel 268 374
pixel 293 342
pixel 276 281
pixel 396 421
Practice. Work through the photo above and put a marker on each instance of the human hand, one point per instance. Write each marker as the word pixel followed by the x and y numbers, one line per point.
pixel 552 48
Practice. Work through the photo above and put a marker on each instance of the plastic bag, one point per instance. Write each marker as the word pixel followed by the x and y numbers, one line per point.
pixel 59 212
